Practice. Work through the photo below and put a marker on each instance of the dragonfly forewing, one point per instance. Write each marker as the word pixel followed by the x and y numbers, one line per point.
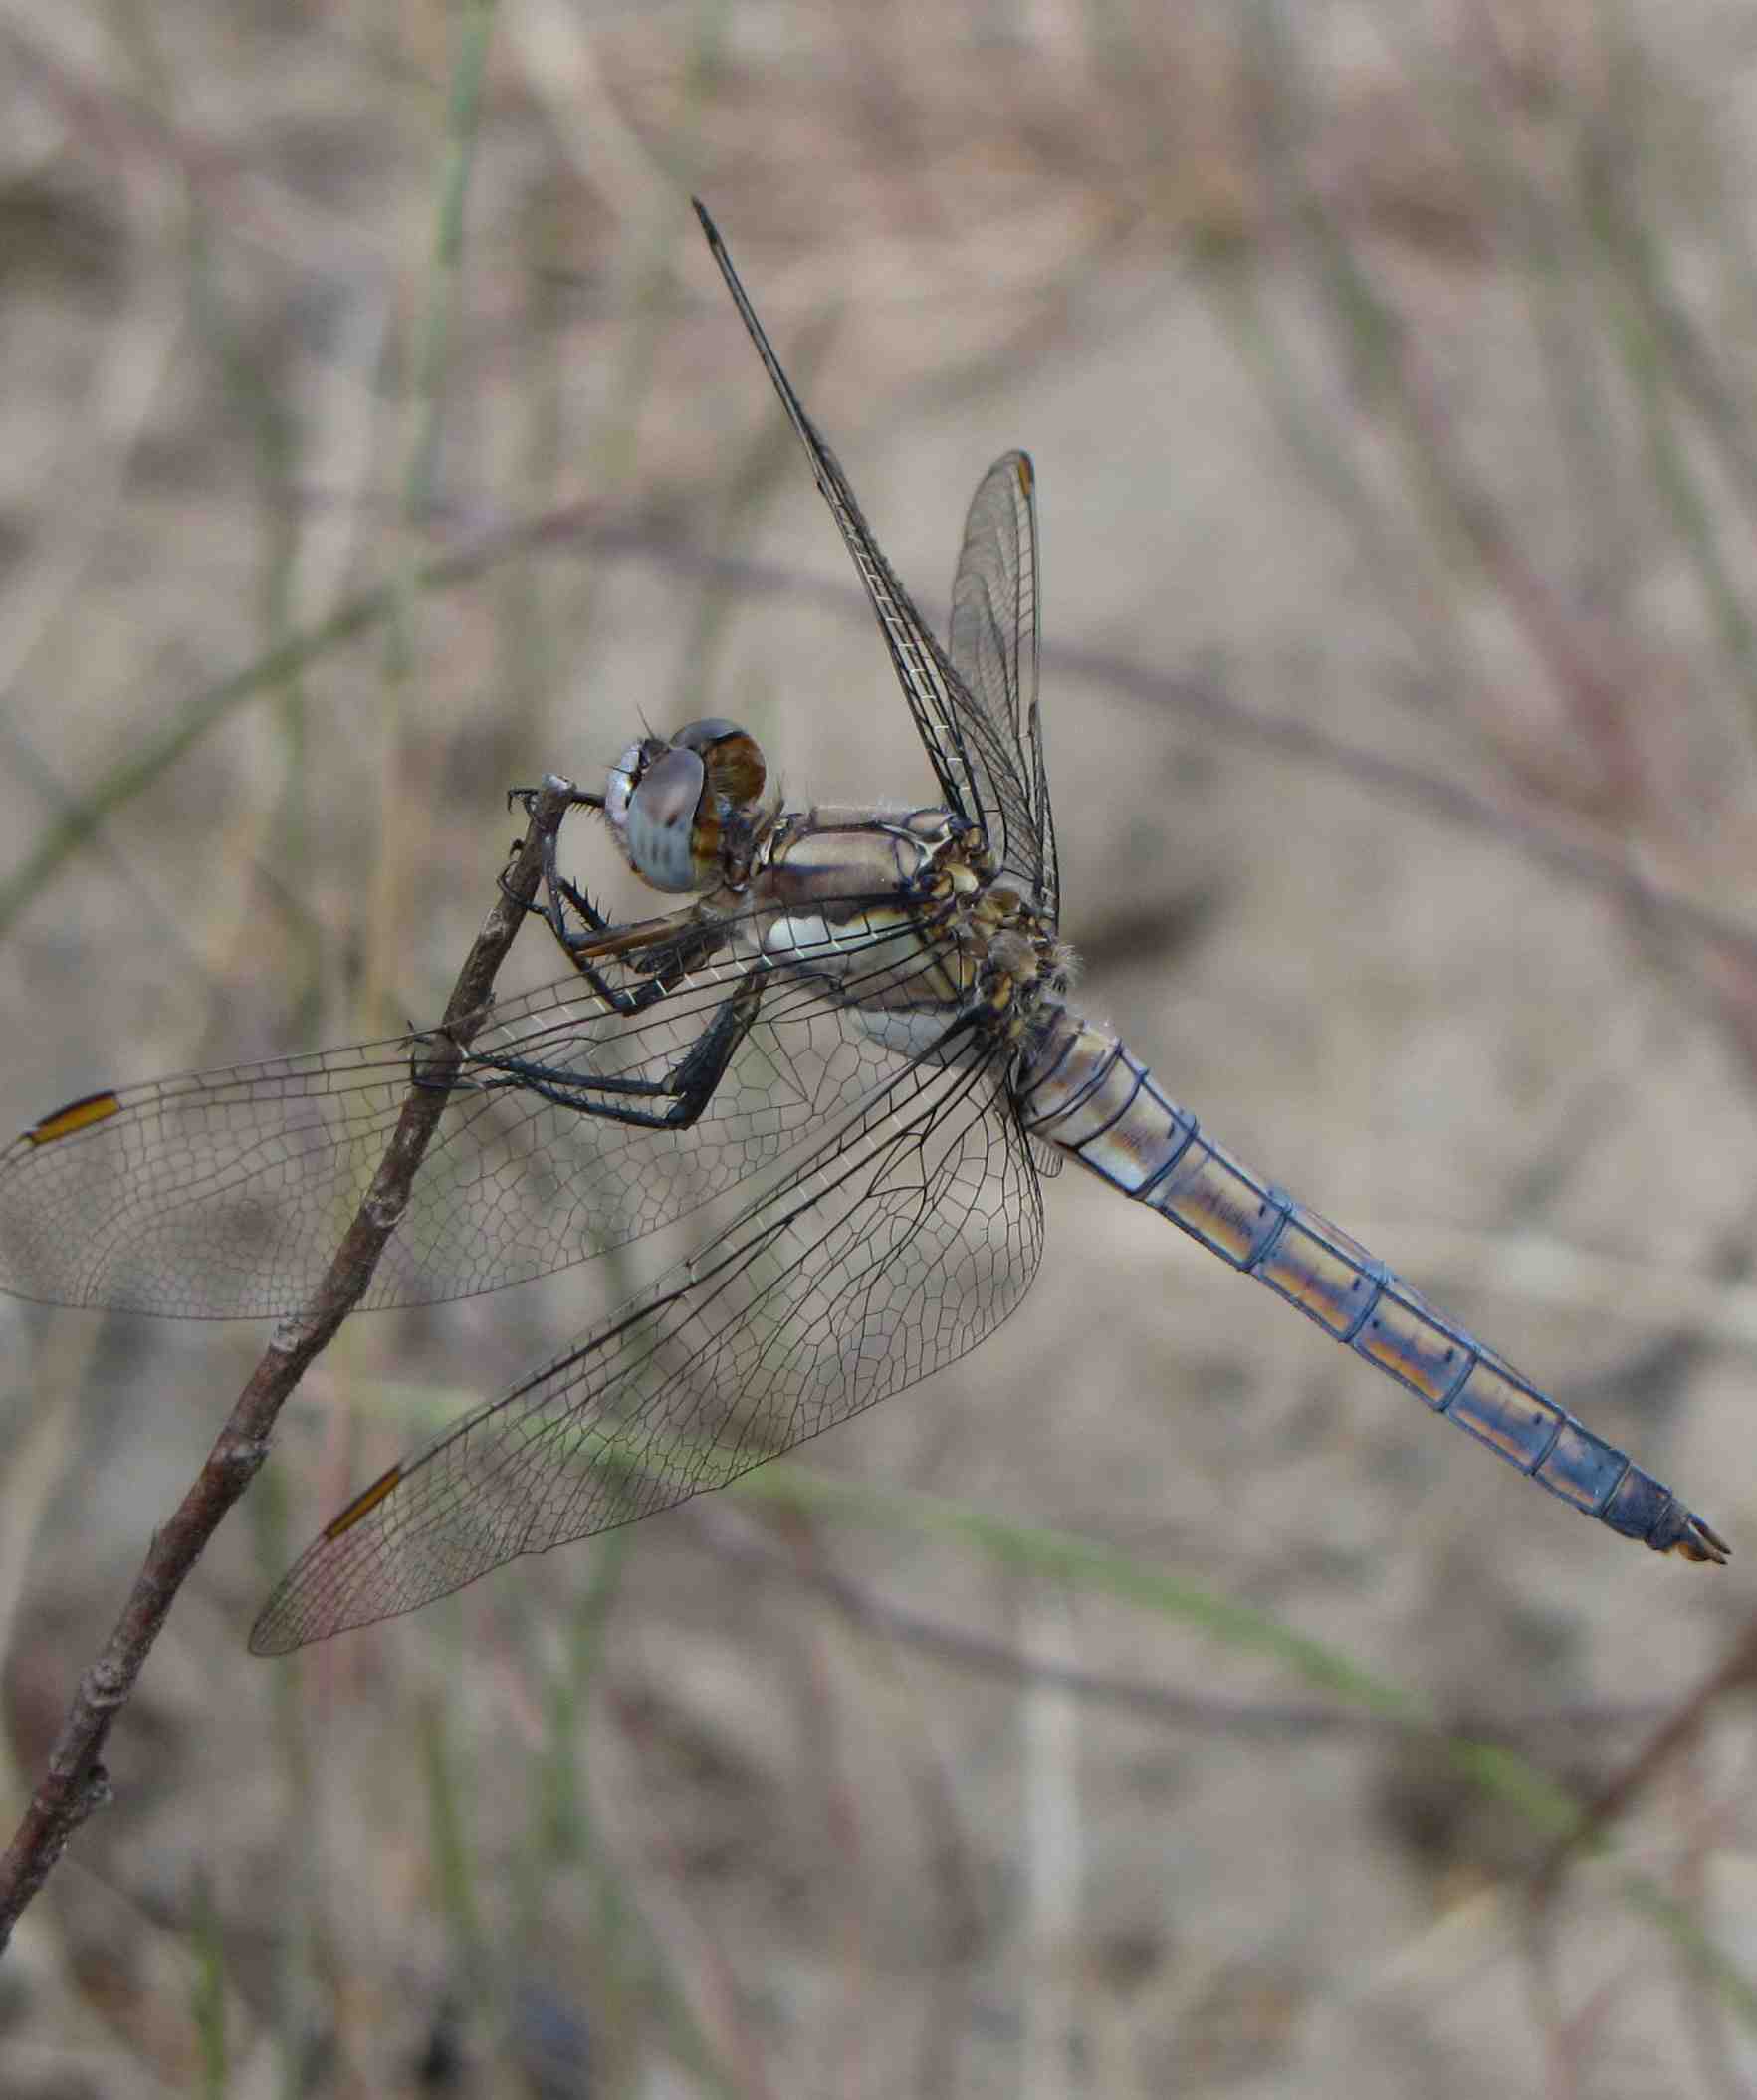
pixel 973 747
pixel 223 1194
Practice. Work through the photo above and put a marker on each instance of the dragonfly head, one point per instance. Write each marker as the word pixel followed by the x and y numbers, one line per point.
pixel 689 810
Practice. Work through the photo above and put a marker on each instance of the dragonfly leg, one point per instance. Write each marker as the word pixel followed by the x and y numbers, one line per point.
pixel 662 951
pixel 564 893
pixel 618 997
pixel 687 1089
pixel 555 884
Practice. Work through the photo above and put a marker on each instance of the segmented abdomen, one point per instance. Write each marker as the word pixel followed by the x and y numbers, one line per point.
pixel 1084 1092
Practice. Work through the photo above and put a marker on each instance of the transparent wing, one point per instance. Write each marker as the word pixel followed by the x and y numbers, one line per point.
pixel 224 1194
pixel 893 1247
pixel 978 764
pixel 994 650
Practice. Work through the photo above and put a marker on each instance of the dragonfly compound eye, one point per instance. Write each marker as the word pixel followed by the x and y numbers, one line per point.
pixel 668 828
pixel 689 810
pixel 736 767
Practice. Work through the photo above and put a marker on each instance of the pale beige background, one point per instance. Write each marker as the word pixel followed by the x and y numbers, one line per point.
pixel 1504 543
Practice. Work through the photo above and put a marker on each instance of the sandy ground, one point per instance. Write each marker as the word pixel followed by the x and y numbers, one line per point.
pixel 1396 563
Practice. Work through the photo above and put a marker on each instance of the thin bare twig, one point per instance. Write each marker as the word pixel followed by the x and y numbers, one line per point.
pixel 76 1783
pixel 1294 1722
pixel 1680 1728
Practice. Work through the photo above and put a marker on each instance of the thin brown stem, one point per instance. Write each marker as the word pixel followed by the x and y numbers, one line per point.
pixel 1680 1728
pixel 75 1783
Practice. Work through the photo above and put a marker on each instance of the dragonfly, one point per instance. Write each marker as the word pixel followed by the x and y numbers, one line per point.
pixel 853 1035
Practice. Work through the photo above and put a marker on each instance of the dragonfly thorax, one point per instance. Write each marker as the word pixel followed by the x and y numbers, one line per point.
pixel 692 810
pixel 903 905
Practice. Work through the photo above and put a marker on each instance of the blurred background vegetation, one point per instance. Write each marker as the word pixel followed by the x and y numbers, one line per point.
pixel 1156 1701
